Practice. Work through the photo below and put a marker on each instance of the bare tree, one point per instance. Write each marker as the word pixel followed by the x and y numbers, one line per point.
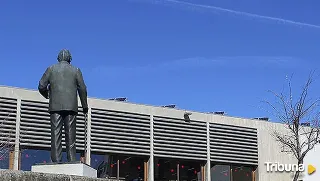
pixel 6 139
pixel 299 139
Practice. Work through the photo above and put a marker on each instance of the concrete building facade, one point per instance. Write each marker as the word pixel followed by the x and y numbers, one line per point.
pixel 148 131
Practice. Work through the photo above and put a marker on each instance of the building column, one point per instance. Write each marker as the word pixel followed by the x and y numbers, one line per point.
pixel 255 174
pixel 178 172
pixel 208 164
pixel 20 156
pixel 151 158
pixel 17 137
pixel 11 159
pixel 88 144
pixel 203 173
pixel 118 168
pixel 145 171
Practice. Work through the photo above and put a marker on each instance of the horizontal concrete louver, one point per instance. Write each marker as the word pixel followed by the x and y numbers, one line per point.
pixel 233 144
pixel 120 132
pixel 35 126
pixel 8 111
pixel 177 138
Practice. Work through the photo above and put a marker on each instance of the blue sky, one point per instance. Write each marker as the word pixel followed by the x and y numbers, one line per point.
pixel 196 55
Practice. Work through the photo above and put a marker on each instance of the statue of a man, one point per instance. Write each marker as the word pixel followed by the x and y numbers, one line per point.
pixel 60 84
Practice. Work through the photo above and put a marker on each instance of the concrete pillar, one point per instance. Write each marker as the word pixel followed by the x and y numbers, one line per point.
pixel 145 171
pixel 253 176
pixel 208 164
pixel 17 137
pixel 151 159
pixel 256 174
pixel 20 156
pixel 203 173
pixel 118 168
pixel 11 159
pixel 178 172
pixel 231 174
pixel 88 146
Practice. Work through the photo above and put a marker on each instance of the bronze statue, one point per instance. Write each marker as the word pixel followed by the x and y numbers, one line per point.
pixel 60 84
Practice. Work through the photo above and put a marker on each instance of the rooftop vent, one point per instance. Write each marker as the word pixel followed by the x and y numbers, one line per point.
pixel 219 112
pixel 122 99
pixel 262 119
pixel 169 106
pixel 305 124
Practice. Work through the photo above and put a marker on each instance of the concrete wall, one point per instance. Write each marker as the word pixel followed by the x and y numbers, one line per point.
pixel 269 150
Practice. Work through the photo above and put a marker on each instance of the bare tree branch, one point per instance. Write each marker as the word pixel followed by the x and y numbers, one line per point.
pixel 292 112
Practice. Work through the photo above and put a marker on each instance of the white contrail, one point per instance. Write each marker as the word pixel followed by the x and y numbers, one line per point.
pixel 244 13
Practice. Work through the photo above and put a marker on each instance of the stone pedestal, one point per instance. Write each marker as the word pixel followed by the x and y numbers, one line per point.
pixel 74 168
pixel 17 175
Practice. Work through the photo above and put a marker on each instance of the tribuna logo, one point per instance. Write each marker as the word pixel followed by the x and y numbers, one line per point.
pixel 279 167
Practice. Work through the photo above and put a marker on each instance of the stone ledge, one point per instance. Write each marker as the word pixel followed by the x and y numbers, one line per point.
pixel 11 175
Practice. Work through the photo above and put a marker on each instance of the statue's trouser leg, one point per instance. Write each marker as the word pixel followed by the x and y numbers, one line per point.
pixel 70 134
pixel 56 137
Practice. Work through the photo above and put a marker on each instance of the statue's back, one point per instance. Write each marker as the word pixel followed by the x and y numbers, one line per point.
pixel 63 87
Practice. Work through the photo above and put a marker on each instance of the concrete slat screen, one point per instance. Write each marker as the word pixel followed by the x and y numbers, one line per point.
pixel 177 138
pixel 126 132
pixel 35 126
pixel 120 132
pixel 8 109
pixel 233 144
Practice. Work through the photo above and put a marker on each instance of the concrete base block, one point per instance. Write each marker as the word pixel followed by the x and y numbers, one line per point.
pixel 12 175
pixel 76 168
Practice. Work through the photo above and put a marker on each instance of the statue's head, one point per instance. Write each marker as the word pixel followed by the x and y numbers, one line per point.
pixel 64 55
